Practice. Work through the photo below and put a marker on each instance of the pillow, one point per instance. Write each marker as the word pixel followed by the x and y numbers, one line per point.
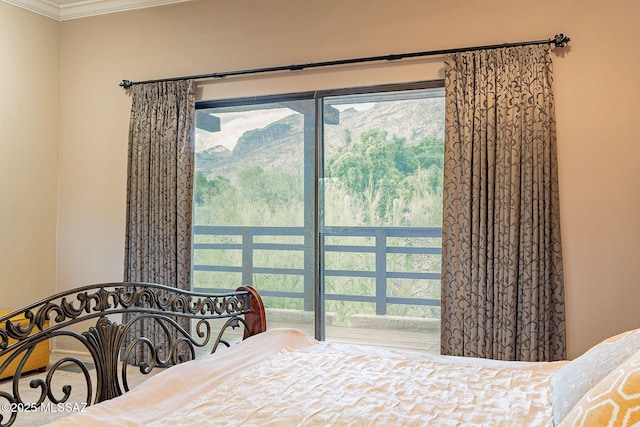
pixel 577 377
pixel 617 337
pixel 614 401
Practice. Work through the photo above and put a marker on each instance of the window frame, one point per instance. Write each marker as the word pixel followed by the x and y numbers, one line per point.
pixel 318 98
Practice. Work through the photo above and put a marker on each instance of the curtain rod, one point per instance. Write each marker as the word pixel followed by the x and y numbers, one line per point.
pixel 559 40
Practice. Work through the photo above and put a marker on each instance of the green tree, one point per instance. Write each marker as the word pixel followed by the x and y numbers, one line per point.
pixel 380 171
pixel 205 191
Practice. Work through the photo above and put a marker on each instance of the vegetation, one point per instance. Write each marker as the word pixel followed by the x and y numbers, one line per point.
pixel 385 176
pixel 378 180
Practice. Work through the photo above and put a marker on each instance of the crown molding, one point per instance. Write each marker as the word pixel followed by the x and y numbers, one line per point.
pixel 41 7
pixel 83 9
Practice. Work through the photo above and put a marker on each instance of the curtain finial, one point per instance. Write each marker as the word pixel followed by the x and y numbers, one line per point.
pixel 560 40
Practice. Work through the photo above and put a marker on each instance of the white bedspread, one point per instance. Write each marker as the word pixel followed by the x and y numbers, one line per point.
pixel 284 378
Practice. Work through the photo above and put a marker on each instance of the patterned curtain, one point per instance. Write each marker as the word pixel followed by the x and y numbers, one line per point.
pixel 159 190
pixel 502 279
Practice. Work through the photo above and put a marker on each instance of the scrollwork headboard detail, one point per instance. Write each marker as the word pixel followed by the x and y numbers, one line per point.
pixel 105 341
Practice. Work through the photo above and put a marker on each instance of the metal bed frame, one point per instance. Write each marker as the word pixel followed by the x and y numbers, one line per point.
pixel 110 343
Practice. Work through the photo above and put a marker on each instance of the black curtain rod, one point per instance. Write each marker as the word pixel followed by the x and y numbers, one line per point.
pixel 559 40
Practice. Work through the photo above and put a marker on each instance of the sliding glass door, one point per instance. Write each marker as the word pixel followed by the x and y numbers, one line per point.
pixel 250 205
pixel 330 205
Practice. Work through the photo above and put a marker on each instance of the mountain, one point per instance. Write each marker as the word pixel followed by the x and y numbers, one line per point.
pixel 280 144
pixel 212 159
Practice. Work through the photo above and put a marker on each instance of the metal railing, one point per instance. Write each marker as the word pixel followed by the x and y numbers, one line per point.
pixel 247 244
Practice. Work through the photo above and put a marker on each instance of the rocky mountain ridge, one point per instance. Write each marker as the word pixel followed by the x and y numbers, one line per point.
pixel 280 143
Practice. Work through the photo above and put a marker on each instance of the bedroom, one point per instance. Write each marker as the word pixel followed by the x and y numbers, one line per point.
pixel 65 121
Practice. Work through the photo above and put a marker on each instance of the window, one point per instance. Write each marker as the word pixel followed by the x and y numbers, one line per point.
pixel 338 225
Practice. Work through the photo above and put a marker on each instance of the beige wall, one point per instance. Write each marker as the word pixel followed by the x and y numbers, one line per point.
pixel 597 83
pixel 28 155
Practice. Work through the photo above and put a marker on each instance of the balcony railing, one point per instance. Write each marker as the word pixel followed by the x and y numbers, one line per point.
pixel 243 239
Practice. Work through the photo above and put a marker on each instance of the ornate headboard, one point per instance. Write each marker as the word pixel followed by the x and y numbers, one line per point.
pixel 184 322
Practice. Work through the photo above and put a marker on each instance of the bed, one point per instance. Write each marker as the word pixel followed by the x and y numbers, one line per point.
pixel 285 378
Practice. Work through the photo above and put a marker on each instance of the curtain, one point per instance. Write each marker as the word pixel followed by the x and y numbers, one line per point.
pixel 159 190
pixel 502 277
